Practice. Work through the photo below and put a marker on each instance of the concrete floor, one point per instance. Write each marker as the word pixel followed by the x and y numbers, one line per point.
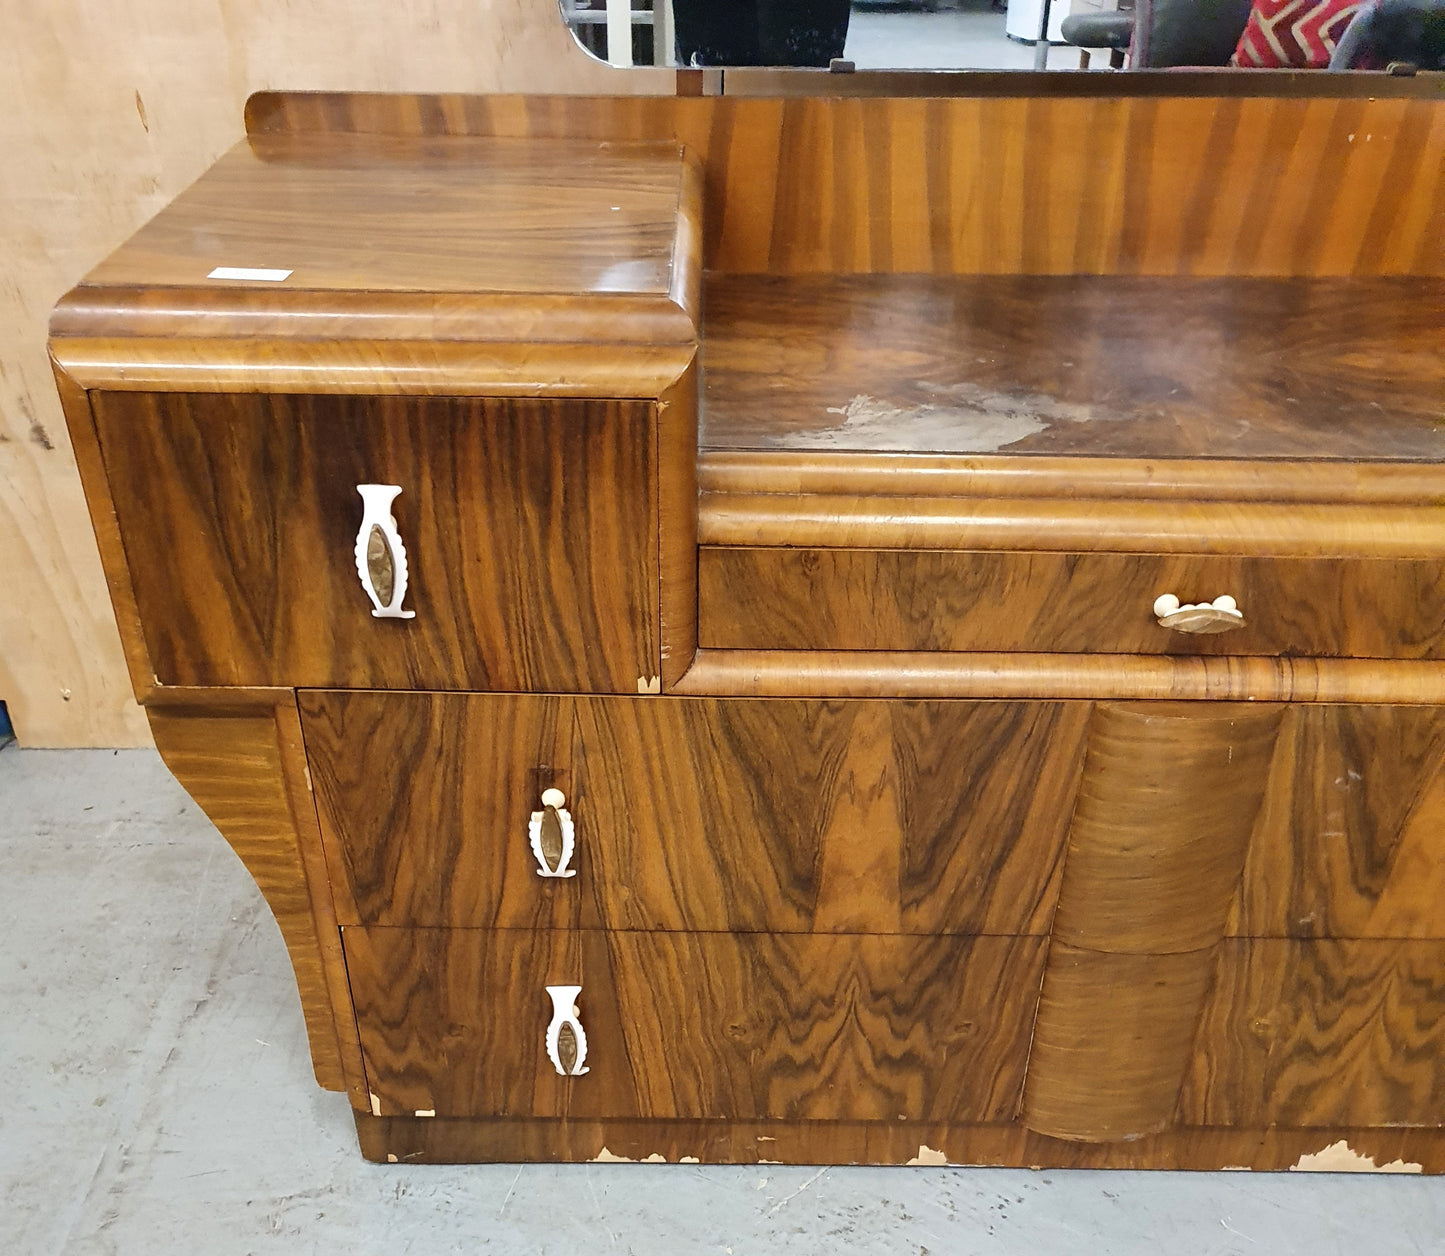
pixel 159 1101
pixel 970 36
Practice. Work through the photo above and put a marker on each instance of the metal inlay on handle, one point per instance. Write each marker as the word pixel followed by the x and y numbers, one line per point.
pixel 380 555
pixel 1221 615
pixel 553 836
pixel 566 1041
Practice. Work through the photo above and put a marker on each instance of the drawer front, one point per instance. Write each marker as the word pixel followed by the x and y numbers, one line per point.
pixel 943 817
pixel 1321 1033
pixel 457 1023
pixel 857 599
pixel 528 529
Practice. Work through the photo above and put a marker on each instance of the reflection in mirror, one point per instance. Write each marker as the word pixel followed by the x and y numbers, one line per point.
pixel 1007 34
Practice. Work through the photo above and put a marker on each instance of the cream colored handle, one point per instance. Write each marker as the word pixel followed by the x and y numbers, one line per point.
pixel 566 1041
pixel 380 555
pixel 553 836
pixel 1221 615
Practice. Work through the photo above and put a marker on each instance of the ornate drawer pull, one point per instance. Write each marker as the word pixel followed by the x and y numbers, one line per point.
pixel 380 555
pixel 553 836
pixel 1221 615
pixel 566 1043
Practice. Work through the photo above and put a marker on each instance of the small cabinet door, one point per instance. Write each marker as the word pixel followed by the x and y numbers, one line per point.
pixel 523 553
pixel 460 1022
pixel 799 816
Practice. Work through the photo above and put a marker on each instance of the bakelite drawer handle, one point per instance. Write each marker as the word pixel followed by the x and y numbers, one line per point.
pixel 380 555
pixel 1221 615
pixel 566 1042
pixel 553 836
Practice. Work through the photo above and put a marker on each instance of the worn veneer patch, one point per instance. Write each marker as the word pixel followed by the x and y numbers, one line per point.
pixel 928 1156
pixel 1340 1157
pixel 965 418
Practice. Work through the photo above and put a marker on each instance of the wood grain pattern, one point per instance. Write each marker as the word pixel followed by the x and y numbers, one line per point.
pixel 455 265
pixel 85 442
pixel 457 215
pixel 742 1026
pixel 1322 1033
pixel 1351 833
pixel 413 1140
pixel 911 474
pixel 424 802
pixel 1112 366
pixel 1151 186
pixel 917 674
pixel 1167 800
pixel 530 531
pixel 930 817
pixel 1112 1041
pixel 1070 525
pixel 677 527
pixel 913 600
pixel 97 151
pixel 232 765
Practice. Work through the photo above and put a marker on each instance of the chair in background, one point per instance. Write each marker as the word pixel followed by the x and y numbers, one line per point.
pixel 1162 33
pixel 1159 34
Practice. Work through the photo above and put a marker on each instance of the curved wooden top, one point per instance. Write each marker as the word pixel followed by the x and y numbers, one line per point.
pixel 448 264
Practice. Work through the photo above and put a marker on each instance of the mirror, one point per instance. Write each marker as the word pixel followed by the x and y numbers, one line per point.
pixel 1008 34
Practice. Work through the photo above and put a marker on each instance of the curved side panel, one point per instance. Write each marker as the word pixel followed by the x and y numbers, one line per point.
pixel 1169 797
pixel 238 767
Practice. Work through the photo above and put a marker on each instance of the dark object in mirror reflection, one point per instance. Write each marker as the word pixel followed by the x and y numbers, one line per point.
pixel 1387 32
pixel 759 32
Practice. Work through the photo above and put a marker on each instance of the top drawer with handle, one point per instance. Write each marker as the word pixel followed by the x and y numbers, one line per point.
pixel 505 545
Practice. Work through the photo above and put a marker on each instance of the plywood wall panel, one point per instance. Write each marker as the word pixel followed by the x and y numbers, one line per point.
pixel 111 111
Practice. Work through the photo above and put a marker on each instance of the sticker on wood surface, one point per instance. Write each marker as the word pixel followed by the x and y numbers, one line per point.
pixel 261 273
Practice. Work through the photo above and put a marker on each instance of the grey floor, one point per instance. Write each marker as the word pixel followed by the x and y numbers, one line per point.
pixel 158 1100
pixel 970 36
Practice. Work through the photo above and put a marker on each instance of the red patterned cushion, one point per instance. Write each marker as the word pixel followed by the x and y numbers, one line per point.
pixel 1294 34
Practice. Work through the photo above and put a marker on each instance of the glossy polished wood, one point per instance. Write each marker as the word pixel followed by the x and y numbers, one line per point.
pixel 1167 800
pixel 1089 366
pixel 232 765
pixel 864 473
pixel 734 1026
pixel 917 674
pixel 530 533
pixel 460 215
pixel 866 599
pixel 1350 841
pixel 818 887
pixel 1164 186
pixel 454 265
pixel 1322 1033
pixel 424 1140
pixel 827 817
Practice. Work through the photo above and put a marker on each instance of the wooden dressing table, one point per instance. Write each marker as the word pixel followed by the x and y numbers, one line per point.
pixel 743 716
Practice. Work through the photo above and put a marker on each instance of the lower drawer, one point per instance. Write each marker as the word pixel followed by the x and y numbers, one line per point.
pixel 1328 1033
pixel 867 599
pixel 456 1022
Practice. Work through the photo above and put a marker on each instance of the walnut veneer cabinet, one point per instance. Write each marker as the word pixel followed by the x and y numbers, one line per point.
pixel 715 645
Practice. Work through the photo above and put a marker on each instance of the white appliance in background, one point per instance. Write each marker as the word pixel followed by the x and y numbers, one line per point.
pixel 1022 22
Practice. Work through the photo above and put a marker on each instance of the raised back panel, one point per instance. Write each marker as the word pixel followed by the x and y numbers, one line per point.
pixel 1011 185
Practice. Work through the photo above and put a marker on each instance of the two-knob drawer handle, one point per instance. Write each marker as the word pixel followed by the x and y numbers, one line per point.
pixel 1221 615
pixel 553 836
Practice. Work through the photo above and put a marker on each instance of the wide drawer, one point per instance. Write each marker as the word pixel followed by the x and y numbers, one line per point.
pixel 943 817
pixel 457 1023
pixel 531 547
pixel 773 598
